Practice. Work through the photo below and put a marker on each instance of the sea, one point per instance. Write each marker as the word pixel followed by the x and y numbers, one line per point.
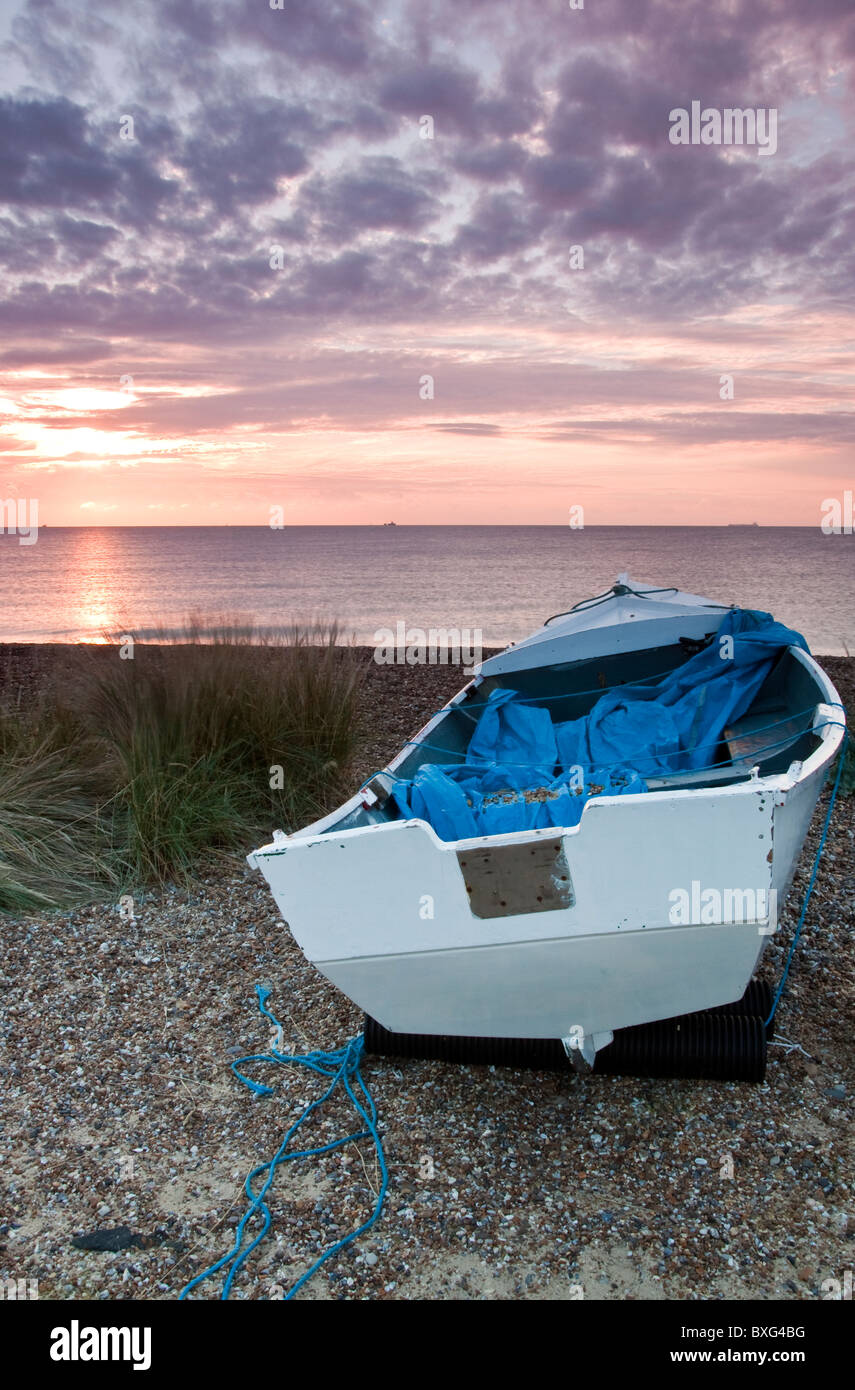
pixel 77 584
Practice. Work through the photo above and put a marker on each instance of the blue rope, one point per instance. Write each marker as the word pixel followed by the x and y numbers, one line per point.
pixel 518 699
pixel 482 765
pixel 341 1066
pixel 815 871
pixel 544 700
pixel 651 681
pixel 644 757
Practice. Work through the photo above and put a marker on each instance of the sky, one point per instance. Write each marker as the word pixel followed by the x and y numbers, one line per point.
pixel 425 260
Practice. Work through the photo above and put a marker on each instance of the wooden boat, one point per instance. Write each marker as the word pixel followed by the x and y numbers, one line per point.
pixel 654 899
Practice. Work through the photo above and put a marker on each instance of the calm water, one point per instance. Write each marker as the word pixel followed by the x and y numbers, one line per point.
pixel 75 582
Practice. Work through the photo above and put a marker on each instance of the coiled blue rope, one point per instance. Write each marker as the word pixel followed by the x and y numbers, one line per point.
pixel 825 829
pixel 342 1068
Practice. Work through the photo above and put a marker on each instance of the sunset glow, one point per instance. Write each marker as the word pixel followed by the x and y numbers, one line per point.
pixel 276 292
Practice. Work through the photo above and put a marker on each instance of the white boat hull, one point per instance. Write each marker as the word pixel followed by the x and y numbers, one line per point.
pixel 388 912
pixel 385 916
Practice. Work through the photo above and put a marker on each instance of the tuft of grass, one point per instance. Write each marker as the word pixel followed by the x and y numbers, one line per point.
pixel 51 841
pixel 136 771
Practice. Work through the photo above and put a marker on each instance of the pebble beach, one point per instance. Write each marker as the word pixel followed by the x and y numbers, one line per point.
pixel 122 1115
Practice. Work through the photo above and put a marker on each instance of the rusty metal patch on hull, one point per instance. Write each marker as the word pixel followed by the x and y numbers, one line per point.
pixel 506 880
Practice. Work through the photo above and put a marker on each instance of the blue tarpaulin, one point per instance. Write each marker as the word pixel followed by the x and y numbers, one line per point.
pixel 523 771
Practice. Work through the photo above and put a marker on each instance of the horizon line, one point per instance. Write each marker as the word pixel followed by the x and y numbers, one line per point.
pixel 421 525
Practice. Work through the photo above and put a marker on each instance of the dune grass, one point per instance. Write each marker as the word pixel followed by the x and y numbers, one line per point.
pixel 137 771
pixel 50 842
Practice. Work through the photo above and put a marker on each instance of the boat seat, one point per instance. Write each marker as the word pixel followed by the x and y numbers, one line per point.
pixel 750 738
pixel 672 781
pixel 748 742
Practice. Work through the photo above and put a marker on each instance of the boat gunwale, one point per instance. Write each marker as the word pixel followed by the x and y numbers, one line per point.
pixel 830 735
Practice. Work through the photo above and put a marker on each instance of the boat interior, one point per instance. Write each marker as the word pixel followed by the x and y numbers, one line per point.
pixel 774 732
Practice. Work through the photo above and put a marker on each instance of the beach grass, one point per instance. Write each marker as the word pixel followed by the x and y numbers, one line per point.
pixel 51 848
pixel 133 770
